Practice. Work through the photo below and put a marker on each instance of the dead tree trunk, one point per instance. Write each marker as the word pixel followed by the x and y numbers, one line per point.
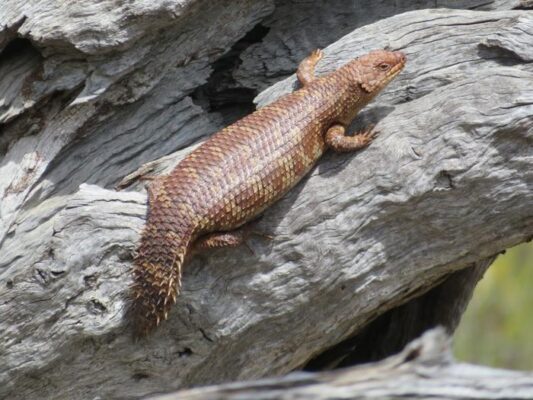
pixel 369 251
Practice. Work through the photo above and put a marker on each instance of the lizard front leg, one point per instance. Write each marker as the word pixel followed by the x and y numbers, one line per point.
pixel 337 140
pixel 306 69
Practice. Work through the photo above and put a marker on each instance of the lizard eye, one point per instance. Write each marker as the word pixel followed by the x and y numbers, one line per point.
pixel 383 66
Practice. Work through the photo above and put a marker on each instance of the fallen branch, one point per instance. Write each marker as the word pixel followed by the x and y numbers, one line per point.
pixel 424 370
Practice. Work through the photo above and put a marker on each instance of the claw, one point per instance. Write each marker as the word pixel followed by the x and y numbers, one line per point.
pixel 369 134
pixel 263 235
pixel 249 248
pixel 318 54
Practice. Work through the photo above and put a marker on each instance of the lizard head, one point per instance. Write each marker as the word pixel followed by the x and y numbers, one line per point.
pixel 376 69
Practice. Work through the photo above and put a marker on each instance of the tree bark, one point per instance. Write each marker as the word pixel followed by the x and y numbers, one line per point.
pixel 94 90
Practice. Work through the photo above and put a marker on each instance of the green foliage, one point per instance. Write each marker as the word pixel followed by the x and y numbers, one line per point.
pixel 497 327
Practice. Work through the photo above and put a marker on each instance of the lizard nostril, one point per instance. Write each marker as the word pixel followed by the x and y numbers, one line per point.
pixel 402 56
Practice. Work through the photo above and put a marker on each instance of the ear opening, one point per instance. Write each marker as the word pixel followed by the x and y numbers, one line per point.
pixel 368 86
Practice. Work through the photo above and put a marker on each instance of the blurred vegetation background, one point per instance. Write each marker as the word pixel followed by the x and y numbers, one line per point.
pixel 497 327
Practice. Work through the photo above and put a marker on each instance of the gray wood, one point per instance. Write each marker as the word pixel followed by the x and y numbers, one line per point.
pixel 447 183
pixel 424 370
pixel 111 92
pixel 442 305
pixel 298 27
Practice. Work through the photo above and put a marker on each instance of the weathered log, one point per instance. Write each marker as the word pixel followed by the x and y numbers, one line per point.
pixel 446 185
pixel 425 369
pixel 295 28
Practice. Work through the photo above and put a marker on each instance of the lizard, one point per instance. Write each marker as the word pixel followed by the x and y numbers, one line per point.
pixel 210 197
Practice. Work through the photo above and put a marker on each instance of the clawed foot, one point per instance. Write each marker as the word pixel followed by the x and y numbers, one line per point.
pixel 367 135
pixel 317 55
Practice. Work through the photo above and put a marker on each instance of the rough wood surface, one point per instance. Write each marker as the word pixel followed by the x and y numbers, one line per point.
pixel 442 305
pixel 448 183
pixel 424 370
pixel 296 27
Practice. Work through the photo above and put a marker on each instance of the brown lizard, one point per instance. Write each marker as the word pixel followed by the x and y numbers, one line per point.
pixel 241 170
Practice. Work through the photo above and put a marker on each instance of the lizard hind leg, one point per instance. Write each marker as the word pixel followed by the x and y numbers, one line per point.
pixel 306 69
pixel 221 239
pixel 153 186
pixel 233 238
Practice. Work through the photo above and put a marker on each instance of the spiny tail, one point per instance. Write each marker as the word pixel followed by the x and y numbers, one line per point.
pixel 157 277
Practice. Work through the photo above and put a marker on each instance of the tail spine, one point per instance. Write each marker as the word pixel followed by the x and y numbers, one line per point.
pixel 157 274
